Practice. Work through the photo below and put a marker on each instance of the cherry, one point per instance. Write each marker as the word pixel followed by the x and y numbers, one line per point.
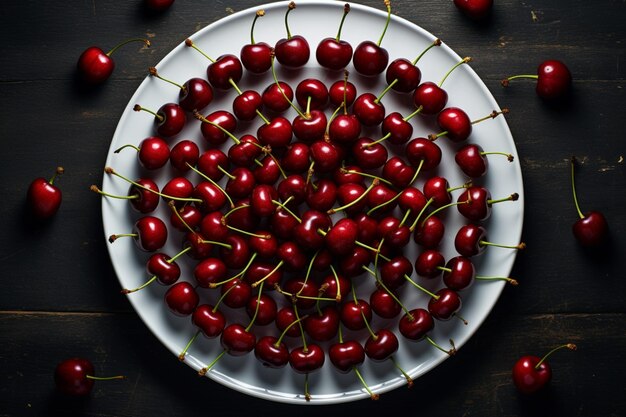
pixel 346 355
pixel 76 377
pixel 285 318
pixel 311 94
pixel 341 238
pixel 272 352
pixel 393 271
pixel 277 96
pixel 256 56
pixel 210 271
pixel 310 127
pixel 162 268
pixel 381 345
pixel 397 128
pixel 262 200
pixel 306 359
pixel 158 5
pixel 369 155
pixel 429 263
pixel 341 91
pixel 265 312
pixel 179 188
pixel 591 229
pixel 337 286
pixel 169 120
pixel 472 160
pixel 149 233
pixel 194 95
pixel 182 298
pixel 217 126
pixel 456 123
pixel 294 187
pixel 324 325
pixel 209 320
pixel 403 75
pixel 304 291
pixel 429 98
pixel 184 155
pixel 415 324
pixel 554 80
pixel 344 128
pixel 296 158
pixel 43 198
pixel 224 72
pixel 424 152
pixel 143 195
pixel 459 273
pixel 368 109
pixel 95 67
pixel 334 53
pixel 293 51
pixel 237 340
pixel 247 105
pixel 152 153
pixel 446 304
pixel 370 58
pixel 245 151
pixel 471 240
pixel 475 9
pixel 210 195
pixel 236 252
pixel 355 313
pixel 398 172
pixel 321 196
pixel 384 304
pixel 429 232
pixel 277 133
pixel 475 203
pixel 352 265
pixel 236 293
pixel 185 217
pixel 531 373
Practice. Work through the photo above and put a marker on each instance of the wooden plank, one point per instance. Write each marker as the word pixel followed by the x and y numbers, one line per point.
pixel 475 382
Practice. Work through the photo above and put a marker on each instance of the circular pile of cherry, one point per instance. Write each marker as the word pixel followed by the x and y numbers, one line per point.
pixel 286 224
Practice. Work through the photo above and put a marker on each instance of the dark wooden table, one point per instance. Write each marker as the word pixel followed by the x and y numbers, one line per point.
pixel 60 297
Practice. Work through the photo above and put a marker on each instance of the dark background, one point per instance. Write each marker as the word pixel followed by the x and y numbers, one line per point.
pixel 60 298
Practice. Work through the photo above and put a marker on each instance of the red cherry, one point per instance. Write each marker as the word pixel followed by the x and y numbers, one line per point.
pixel 237 340
pixel 381 345
pixel 554 80
pixel 531 373
pixel 456 123
pixel 341 91
pixel 368 109
pixel 195 95
pixel 459 273
pixel 169 120
pixel 95 67
pixel 384 304
pixel 311 94
pixel 324 325
pixel 354 314
pixel 408 76
pixel 158 5
pixel 591 229
pixel 209 320
pixel 215 135
pixel 430 97
pixel 210 271
pixel 370 59
pixel 256 57
pixel 76 377
pixel 334 53
pixel 224 72
pixel 304 360
pixel 247 104
pixel 346 355
pixel 475 9
pixel 446 305
pixel 277 97
pixel 184 154
pixel 416 324
pixel 152 153
pixel 43 198
pixel 149 233
pixel 182 298
pixel 272 352
pixel 293 51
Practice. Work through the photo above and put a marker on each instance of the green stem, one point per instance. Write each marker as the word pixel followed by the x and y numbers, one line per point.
pixel 388 5
pixel 259 13
pixel 115 48
pixel 458 64
pixel 436 42
pixel 346 10
pixel 182 354
pixel 126 146
pixel 190 44
pixel 570 346
pixel 580 213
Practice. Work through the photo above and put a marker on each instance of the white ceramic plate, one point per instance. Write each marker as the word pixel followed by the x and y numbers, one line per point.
pixel 316 20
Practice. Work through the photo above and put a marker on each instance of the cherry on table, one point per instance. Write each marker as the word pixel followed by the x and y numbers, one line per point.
pixel 554 80
pixel 591 229
pixel 76 376
pixel 158 5
pixel 403 75
pixel 43 198
pixel 531 373
pixel 475 9
pixel 94 66
pixel 334 53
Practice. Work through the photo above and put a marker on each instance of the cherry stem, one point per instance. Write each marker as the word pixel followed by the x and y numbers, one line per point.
pixel 104 378
pixel 181 356
pixel 346 10
pixel 206 177
pixel 284 332
pixel 259 13
pixel 572 164
pixel 419 287
pixel 203 119
pixel 388 5
pixel 570 346
pixel 127 146
pixel 415 113
pixel 450 352
pixel 458 64
pixel 491 115
pixel 367 325
pixel 231 211
pixel 384 287
pixel 436 42
pixel 509 156
pixel 367 175
pixel 369 391
pixel 239 274
pixel 256 310
pixel 512 197
pixel 115 48
pixel 95 189
pixel 417 172
pixel 228 174
pixel 59 171
pixel 505 82
pixel 409 380
pixel 438 209
pixel 291 6
pixel 203 371
pixel 419 215
pixel 153 72
pixel 386 90
pixel 262 280
pixel 299 321
pixel 306 116
pixel 356 200
pixel 141 287
pixel 137 107
pixel 284 207
pixel 190 44
pixel 113 238
pixel 519 246
pixel 511 281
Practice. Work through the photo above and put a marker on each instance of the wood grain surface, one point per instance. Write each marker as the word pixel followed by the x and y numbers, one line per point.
pixel 60 296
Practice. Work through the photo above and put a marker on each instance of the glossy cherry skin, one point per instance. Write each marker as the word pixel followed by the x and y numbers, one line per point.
pixel 352 265
pixel 341 238
pixel 345 356
pixel 322 196
pixel 411 199
pixel 256 57
pixel 196 94
pixel 184 154
pixel 355 314
pixel 555 80
pixel 293 52
pixel 238 254
pixel 430 97
pixel 43 198
pixel 313 90
pixel 166 272
pixel 398 172
pixel 246 105
pixel 146 201
pixel 344 129
pixel 225 70
pixel 461 275
pixel 151 233
pixel 267 309
pixel 333 54
pixel 392 273
pixel 527 377
pixel 209 320
pixel 368 155
pixel 271 353
pixel 436 188
pixel 476 206
pixel 398 129
pixel 336 287
pixel 153 153
pixel 189 216
pixel 322 327
pixel 383 304
pixel 170 120
pixel 472 161
pixel 261 200
pixel 211 197
pixel 592 229
pixel 210 271
pixel 179 187
pixel 277 134
pixel 71 377
pixel 296 158
pixel 284 318
pixel 213 134
pixel 428 263
pixel 326 155
pixel 416 325
pixel 311 127
pixel 245 152
pixel 370 59
pixel 422 149
pixel 475 9
pixel 369 111
pixel 429 233
pixel 265 244
pixel 304 361
pixel 468 240
pixel 94 66
pixel 382 346
pixel 446 306
pixel 182 299
pixel 277 97
pixel 408 76
pixel 237 340
pixel 456 123
pixel 236 293
pixel 341 91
